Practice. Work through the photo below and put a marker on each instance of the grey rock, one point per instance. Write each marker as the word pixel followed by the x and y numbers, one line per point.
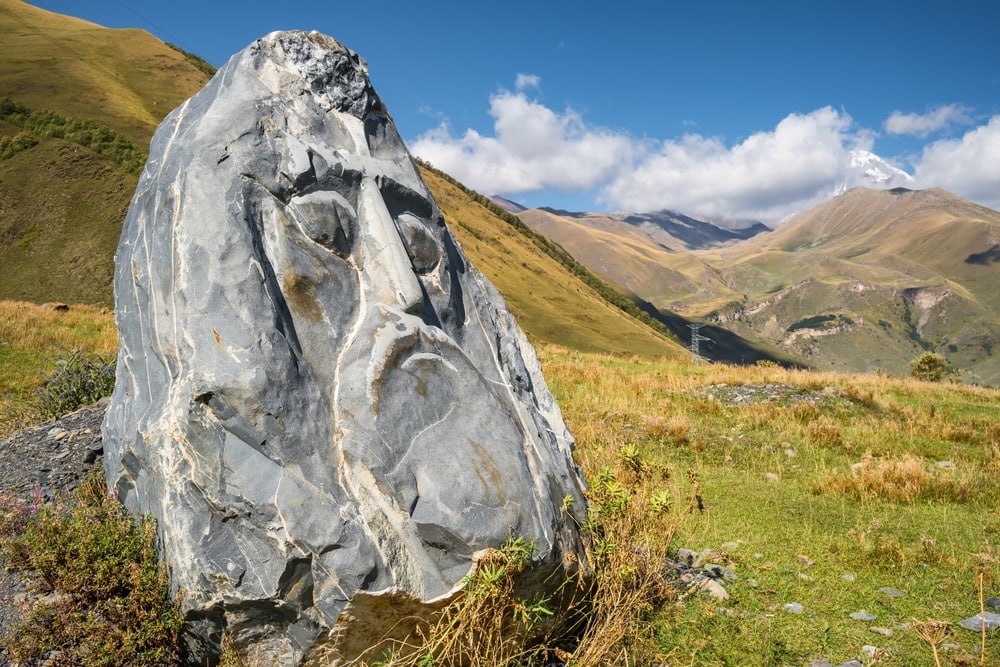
pixel 863 616
pixel 993 603
pixel 885 632
pixel 689 557
pixel 793 607
pixel 328 411
pixel 706 585
pixel 720 572
pixel 891 592
pixel 819 662
pixel 988 620
pixel 851 663
pixel 848 577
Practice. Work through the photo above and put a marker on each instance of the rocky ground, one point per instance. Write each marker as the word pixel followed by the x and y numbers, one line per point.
pixel 35 465
pixel 52 458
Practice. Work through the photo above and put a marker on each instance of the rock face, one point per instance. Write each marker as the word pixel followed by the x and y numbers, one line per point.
pixel 327 410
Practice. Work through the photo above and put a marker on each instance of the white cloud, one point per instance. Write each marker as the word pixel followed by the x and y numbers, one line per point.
pixel 922 125
pixel 527 81
pixel 533 148
pixel 969 166
pixel 767 176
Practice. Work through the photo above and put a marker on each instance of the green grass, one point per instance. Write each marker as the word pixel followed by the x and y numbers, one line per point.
pixel 835 475
pixel 814 505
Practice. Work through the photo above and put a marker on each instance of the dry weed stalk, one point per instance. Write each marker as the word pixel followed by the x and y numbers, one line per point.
pixel 933 632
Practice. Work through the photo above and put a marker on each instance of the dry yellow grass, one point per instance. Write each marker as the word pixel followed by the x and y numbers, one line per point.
pixel 902 479
pixel 48 327
pixel 32 338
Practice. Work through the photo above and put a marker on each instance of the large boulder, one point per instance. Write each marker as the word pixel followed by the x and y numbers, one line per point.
pixel 328 411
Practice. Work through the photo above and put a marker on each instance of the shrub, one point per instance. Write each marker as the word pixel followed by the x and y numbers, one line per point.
pixel 81 378
pixel 106 600
pixel 929 366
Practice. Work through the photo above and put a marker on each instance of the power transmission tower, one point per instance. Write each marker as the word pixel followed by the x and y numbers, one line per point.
pixel 696 339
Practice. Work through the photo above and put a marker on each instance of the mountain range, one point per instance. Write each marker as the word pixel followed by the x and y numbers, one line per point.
pixel 866 281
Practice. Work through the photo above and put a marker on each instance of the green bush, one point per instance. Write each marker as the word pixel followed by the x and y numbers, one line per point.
pixel 87 133
pixel 80 379
pixel 929 366
pixel 102 594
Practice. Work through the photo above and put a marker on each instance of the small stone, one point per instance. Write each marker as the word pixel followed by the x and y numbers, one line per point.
pixel 863 616
pixel 891 592
pixel 993 603
pixel 885 632
pixel 977 623
pixel 58 433
pixel 848 577
pixel 771 477
pixel 688 557
pixel 752 583
pixel 713 588
pixel 869 651
pixel 793 608
pixel 819 662
pixel 790 453
pixel 804 577
pixel 730 546
pixel 804 560
pixel 945 465
pixel 61 455
pixel 851 663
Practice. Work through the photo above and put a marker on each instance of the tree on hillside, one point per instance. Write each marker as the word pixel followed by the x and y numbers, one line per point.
pixel 929 366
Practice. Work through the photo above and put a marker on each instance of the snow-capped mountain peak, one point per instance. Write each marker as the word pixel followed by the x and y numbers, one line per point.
pixel 867 169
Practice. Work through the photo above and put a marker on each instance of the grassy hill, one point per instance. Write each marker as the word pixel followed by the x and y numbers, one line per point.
pixel 866 281
pixel 126 78
pixel 872 278
pixel 62 204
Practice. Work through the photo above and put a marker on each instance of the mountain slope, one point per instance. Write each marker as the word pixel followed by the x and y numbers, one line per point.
pixel 867 281
pixel 872 278
pixel 62 205
pixel 126 78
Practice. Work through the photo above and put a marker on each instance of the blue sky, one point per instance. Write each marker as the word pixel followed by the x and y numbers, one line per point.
pixel 720 109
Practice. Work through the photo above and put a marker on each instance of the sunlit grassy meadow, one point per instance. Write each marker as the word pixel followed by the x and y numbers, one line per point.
pixel 838 486
pixel 815 488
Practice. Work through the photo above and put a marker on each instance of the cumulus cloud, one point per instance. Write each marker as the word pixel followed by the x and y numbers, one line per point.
pixel 968 166
pixel 533 148
pixel 767 176
pixel 804 160
pixel 923 125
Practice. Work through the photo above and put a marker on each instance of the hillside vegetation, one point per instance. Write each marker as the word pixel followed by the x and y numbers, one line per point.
pixel 126 79
pixel 884 275
pixel 815 495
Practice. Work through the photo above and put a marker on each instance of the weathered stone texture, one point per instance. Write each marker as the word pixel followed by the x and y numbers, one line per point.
pixel 318 398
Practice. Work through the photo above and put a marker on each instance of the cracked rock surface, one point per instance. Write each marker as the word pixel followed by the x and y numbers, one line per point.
pixel 327 409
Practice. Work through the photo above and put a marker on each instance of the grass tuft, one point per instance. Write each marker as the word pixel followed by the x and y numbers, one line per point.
pixel 903 479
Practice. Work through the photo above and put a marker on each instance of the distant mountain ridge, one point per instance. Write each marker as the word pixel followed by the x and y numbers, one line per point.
pixel 670 230
pixel 868 280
